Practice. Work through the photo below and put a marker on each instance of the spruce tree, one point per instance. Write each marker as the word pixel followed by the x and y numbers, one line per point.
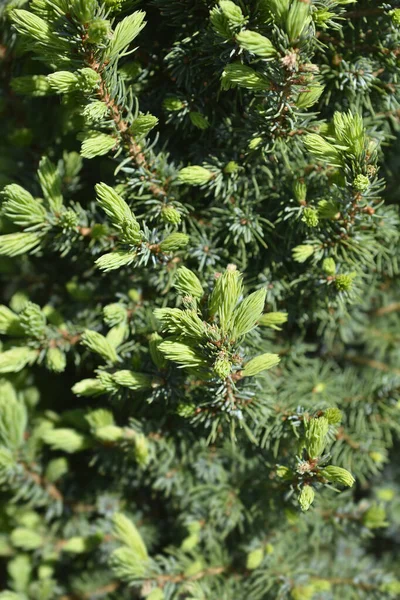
pixel 199 319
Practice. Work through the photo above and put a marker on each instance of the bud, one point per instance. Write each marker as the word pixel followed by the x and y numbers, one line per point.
pixel 114 314
pixel 310 217
pixel 297 19
pixel 306 497
pixel 338 475
pixel 27 23
pixel 126 532
pixel 322 149
pixel 56 360
pixel 141 449
pixel 95 111
pixel 273 319
pixel 67 440
pixel 175 241
pixel 375 517
pixel 328 209
pixel 247 314
pixel 68 220
pixel 84 10
pixel 321 17
pixel 26 539
pixel 231 167
pixel 56 468
pixel 329 266
pixel 316 431
pixel 119 212
pixel 377 457
pixel 173 104
pixel 199 120
pixel 300 191
pixel 284 472
pixel 115 260
pixel 33 320
pixel 279 9
pixel 260 363
pixel 169 214
pixel 239 75
pixel 51 183
pixel 75 545
pixel 395 15
pixel 361 183
pixel 255 143
pixel 186 410
pixel 232 12
pixel 97 144
pixel 254 558
pixel 142 125
pixel 125 32
pixel 99 31
pixel 227 291
pixel 31 85
pixel 63 82
pixel 302 252
pixel 222 367
pixel 131 380
pixel 13 420
pixel 188 284
pixel 344 282
pixel 14 244
pixel 182 354
pixel 385 494
pixel 333 415
pixel 194 175
pixel 89 80
pixel 96 342
pixel 256 43
pixel 309 97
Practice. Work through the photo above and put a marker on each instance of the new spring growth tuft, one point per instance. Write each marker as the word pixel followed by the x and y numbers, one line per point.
pixel 170 214
pixel 56 360
pixel 329 266
pixel 310 217
pixel 273 320
pixel 194 175
pixel 175 241
pixel 260 363
pixel 188 284
pixel 338 475
pixel 344 282
pixel 99 31
pixel 227 292
pixel 222 367
pixel 316 431
pixel 306 497
pixel 256 43
pixel 361 183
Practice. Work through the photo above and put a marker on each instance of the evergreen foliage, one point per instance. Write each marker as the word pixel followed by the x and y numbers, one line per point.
pixel 199 319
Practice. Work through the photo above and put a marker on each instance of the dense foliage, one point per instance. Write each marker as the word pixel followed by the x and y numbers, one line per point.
pixel 199 355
